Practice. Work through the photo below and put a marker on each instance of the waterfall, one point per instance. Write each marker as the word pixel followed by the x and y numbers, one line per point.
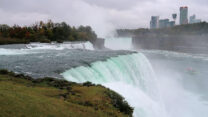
pixel 130 75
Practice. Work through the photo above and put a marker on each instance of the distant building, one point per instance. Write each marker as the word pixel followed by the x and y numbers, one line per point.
pixel 194 20
pixel 154 23
pixel 172 23
pixel 174 16
pixel 164 23
pixel 184 15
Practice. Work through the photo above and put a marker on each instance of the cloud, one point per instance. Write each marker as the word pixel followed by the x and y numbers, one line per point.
pixel 114 4
pixel 21 18
pixel 103 15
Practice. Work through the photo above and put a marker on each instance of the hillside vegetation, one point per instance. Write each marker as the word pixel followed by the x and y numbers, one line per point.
pixel 45 32
pixel 22 96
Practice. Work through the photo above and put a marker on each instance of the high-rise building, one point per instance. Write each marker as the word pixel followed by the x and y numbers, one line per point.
pixel 154 23
pixel 184 15
pixel 174 16
pixel 172 23
pixel 164 23
pixel 194 20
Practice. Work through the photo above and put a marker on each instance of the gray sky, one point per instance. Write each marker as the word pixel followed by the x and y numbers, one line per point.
pixel 102 15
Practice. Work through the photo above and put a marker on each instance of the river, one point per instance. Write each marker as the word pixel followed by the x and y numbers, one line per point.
pixel 156 83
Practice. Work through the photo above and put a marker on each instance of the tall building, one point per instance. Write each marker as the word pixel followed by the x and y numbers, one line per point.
pixel 184 15
pixel 154 23
pixel 172 23
pixel 194 20
pixel 164 23
pixel 174 16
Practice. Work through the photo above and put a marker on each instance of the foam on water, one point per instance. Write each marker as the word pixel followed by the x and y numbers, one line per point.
pixel 132 75
pixel 80 45
pixel 4 51
pixel 34 48
pixel 129 75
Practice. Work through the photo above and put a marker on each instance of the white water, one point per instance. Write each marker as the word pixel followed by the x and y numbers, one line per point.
pixel 133 77
pixel 4 51
pixel 55 46
pixel 37 47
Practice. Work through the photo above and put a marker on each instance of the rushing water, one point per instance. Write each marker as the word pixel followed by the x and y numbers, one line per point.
pixel 183 82
pixel 130 75
pixel 49 60
pixel 155 83
pixel 167 93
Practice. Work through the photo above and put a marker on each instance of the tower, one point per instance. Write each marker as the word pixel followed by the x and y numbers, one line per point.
pixel 174 16
pixel 184 15
pixel 194 20
pixel 154 23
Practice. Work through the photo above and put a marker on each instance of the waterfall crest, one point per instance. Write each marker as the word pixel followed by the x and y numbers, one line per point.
pixel 130 74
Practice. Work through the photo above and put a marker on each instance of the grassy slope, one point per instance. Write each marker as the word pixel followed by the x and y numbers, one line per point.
pixel 22 97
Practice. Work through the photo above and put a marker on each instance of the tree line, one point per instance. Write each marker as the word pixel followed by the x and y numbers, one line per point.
pixel 45 32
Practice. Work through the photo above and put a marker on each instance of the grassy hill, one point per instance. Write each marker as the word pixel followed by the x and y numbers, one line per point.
pixel 22 96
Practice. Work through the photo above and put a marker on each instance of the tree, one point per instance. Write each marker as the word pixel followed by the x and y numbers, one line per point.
pixel 48 31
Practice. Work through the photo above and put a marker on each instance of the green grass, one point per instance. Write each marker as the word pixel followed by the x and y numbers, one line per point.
pixel 21 96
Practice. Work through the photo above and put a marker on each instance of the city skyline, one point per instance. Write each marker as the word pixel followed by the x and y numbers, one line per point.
pixel 183 17
pixel 103 15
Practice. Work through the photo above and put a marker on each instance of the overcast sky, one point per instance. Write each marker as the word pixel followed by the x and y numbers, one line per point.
pixel 102 15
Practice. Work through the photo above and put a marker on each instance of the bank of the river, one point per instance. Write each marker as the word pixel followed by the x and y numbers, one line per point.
pixel 22 96
pixel 6 41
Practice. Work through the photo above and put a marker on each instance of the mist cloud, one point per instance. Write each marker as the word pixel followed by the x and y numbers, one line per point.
pixel 103 15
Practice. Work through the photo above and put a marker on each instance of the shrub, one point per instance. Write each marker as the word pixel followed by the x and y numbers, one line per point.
pixel 3 71
pixel 119 102
pixel 61 84
pixel 88 84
